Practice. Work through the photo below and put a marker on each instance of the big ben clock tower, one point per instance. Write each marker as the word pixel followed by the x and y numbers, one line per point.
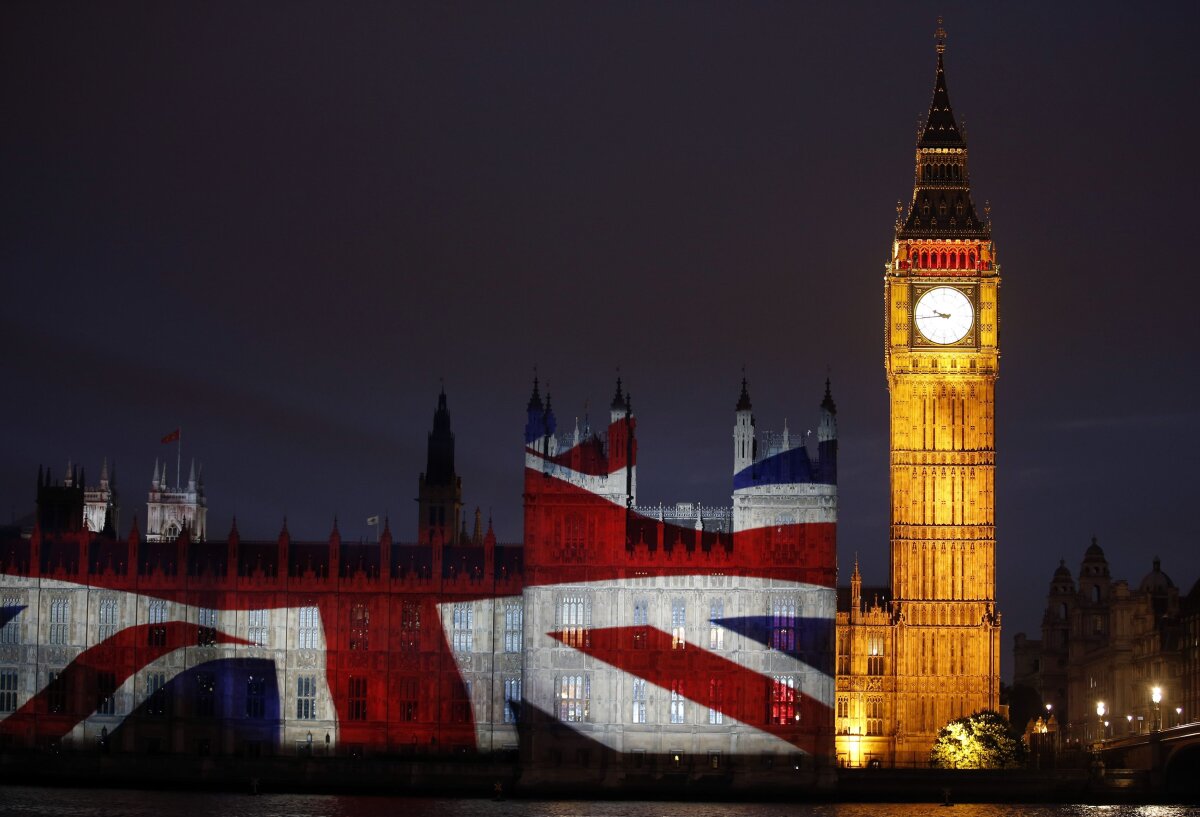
pixel 941 318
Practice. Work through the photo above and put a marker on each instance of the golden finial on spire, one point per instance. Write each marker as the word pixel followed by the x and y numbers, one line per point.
pixel 940 36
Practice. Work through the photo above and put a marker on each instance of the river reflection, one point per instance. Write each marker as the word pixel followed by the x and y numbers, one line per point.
pixel 41 802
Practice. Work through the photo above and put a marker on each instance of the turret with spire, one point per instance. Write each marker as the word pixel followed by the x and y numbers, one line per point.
pixel 535 411
pixel 743 431
pixel 827 446
pixel 439 488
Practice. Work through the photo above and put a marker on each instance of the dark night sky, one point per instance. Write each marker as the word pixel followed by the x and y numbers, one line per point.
pixel 278 225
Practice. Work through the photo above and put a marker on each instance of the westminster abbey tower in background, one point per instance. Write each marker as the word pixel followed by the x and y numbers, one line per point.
pixel 926 650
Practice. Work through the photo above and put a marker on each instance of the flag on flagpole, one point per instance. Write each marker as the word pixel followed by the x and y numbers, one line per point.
pixel 372 520
pixel 172 437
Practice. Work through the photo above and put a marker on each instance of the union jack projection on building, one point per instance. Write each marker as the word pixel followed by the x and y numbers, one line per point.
pixel 677 634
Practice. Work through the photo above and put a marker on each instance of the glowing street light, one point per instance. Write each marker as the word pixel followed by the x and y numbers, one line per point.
pixel 1157 696
pixel 1100 710
pixel 1178 715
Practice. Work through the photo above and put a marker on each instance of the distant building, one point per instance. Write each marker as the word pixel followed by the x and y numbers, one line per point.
pixel 100 504
pixel 169 512
pixel 1106 641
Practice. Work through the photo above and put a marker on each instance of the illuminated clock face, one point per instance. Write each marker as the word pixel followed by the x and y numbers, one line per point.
pixel 944 315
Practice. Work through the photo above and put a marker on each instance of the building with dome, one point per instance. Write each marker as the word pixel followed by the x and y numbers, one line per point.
pixel 1112 642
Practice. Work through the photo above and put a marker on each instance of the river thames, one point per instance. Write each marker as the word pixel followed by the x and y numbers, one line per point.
pixel 36 802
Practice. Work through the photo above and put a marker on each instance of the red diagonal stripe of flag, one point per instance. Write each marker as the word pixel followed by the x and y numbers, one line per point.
pixel 84 671
pixel 748 696
pixel 172 437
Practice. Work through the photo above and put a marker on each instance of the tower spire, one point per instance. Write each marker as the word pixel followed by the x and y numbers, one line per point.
pixel 941 206
pixel 940 127
pixel 743 403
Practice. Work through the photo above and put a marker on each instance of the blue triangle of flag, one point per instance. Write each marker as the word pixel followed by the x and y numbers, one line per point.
pixel 8 613
pixel 808 639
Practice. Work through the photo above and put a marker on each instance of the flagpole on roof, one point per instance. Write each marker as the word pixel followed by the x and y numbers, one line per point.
pixel 178 455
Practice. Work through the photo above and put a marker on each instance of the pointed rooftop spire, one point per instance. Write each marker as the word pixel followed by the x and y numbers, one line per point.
pixel 535 399
pixel 743 403
pixel 618 401
pixel 154 479
pixel 827 403
pixel 940 128
pixel 941 206
pixel 104 473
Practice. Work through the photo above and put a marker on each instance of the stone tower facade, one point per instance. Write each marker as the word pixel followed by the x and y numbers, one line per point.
pixel 942 658
pixel 100 508
pixel 169 511
pixel 941 358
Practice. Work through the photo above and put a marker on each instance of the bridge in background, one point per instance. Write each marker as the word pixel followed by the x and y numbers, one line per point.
pixel 1166 760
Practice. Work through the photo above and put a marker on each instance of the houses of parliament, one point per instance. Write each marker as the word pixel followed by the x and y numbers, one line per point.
pixel 668 637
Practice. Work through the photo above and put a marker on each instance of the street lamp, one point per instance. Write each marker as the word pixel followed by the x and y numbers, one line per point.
pixel 1157 696
pixel 1178 715
pixel 1100 710
pixel 1129 721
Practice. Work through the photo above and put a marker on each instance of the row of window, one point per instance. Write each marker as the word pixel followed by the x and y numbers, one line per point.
pixel 960 259
pixel 872 722
pixel 573 620
pixel 258 630
pixel 308 634
pixel 59 693
pixel 574 692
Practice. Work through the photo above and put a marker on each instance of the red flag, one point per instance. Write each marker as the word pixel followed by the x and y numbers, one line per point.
pixel 172 437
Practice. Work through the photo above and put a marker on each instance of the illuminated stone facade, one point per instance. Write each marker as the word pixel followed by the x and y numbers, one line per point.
pixel 939 631
pixel 618 644
pixel 171 511
pixel 100 503
pixel 1104 640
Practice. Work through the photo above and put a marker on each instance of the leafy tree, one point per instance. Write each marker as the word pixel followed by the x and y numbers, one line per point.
pixel 983 740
